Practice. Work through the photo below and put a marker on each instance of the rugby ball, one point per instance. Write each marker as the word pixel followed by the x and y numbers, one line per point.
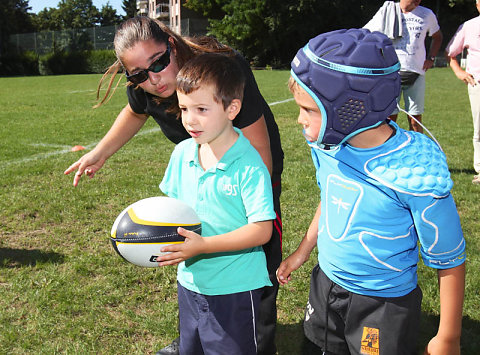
pixel 148 225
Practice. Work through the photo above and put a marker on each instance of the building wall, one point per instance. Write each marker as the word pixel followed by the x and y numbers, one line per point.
pixel 174 14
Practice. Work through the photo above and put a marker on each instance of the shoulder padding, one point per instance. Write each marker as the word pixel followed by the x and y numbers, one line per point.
pixel 417 167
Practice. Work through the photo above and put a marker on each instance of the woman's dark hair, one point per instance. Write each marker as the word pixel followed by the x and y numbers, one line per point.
pixel 143 28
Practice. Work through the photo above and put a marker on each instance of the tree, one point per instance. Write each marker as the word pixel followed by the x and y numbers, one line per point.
pixel 130 8
pixel 14 18
pixel 108 16
pixel 78 14
pixel 71 18
pixel 243 26
pixel 47 19
pixel 271 31
pixel 75 14
pixel 451 14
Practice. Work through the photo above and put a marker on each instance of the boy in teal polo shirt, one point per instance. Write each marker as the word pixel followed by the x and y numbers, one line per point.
pixel 218 173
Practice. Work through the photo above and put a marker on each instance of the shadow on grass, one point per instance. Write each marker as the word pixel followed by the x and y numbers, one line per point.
pixel 470 342
pixel 467 171
pixel 290 339
pixel 13 258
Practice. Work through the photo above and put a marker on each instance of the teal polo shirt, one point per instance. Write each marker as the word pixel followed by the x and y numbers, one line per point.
pixel 235 192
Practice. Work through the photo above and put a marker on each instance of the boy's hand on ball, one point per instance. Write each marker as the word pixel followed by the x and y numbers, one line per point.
pixel 194 245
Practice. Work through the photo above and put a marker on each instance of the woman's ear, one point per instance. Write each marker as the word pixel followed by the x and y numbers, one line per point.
pixel 172 45
pixel 234 108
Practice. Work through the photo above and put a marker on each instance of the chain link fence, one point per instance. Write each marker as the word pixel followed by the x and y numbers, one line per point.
pixel 94 38
pixel 66 40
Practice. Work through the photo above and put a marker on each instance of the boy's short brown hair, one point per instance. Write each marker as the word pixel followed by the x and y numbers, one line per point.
pixel 219 70
pixel 293 86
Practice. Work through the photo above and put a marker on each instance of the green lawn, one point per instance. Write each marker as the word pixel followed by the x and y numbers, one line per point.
pixel 62 287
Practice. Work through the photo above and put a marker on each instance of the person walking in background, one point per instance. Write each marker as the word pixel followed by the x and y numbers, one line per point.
pixel 152 56
pixel 407 24
pixel 468 36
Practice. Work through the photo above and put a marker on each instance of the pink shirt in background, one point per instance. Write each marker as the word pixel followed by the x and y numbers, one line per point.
pixel 468 36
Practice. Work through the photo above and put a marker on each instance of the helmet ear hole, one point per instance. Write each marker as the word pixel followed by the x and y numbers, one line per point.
pixel 351 112
pixel 354 74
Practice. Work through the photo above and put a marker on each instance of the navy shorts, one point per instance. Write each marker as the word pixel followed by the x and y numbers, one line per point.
pixel 224 324
pixel 342 323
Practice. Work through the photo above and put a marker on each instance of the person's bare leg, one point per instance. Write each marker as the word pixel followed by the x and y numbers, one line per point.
pixel 414 126
pixel 393 117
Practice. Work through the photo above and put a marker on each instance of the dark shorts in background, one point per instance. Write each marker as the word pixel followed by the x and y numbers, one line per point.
pixel 358 324
pixel 267 317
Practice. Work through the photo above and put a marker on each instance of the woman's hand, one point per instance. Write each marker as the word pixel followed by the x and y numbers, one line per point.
pixel 126 125
pixel 88 164
pixel 466 77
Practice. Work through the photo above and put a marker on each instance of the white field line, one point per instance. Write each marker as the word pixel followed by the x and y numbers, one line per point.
pixel 67 149
pixel 85 90
pixel 80 91
pixel 63 146
pixel 40 156
pixel 280 102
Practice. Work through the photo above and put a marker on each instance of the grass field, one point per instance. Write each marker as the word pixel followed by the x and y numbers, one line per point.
pixel 63 290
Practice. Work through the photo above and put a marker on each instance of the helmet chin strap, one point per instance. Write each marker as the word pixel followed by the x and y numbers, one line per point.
pixel 420 123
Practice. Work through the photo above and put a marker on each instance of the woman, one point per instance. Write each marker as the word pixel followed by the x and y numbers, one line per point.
pixel 152 55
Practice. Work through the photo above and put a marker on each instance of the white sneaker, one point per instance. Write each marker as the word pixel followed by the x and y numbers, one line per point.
pixel 476 179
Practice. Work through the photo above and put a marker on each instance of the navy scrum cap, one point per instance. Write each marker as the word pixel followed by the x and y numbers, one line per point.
pixel 353 77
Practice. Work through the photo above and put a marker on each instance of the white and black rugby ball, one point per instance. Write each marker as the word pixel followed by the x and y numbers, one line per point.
pixel 148 225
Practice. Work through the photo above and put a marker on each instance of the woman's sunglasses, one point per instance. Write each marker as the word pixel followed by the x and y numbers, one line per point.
pixel 157 66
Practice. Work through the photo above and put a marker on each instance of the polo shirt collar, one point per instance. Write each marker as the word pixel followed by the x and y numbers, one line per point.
pixel 236 151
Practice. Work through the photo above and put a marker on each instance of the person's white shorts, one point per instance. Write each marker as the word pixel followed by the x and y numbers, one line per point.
pixel 413 96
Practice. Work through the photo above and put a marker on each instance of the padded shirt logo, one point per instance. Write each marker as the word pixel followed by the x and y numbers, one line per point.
pixel 342 199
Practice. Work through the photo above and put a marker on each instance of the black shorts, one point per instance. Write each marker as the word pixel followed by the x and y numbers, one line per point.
pixel 350 323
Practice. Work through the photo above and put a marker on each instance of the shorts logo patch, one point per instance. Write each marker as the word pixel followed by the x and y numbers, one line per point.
pixel 370 341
